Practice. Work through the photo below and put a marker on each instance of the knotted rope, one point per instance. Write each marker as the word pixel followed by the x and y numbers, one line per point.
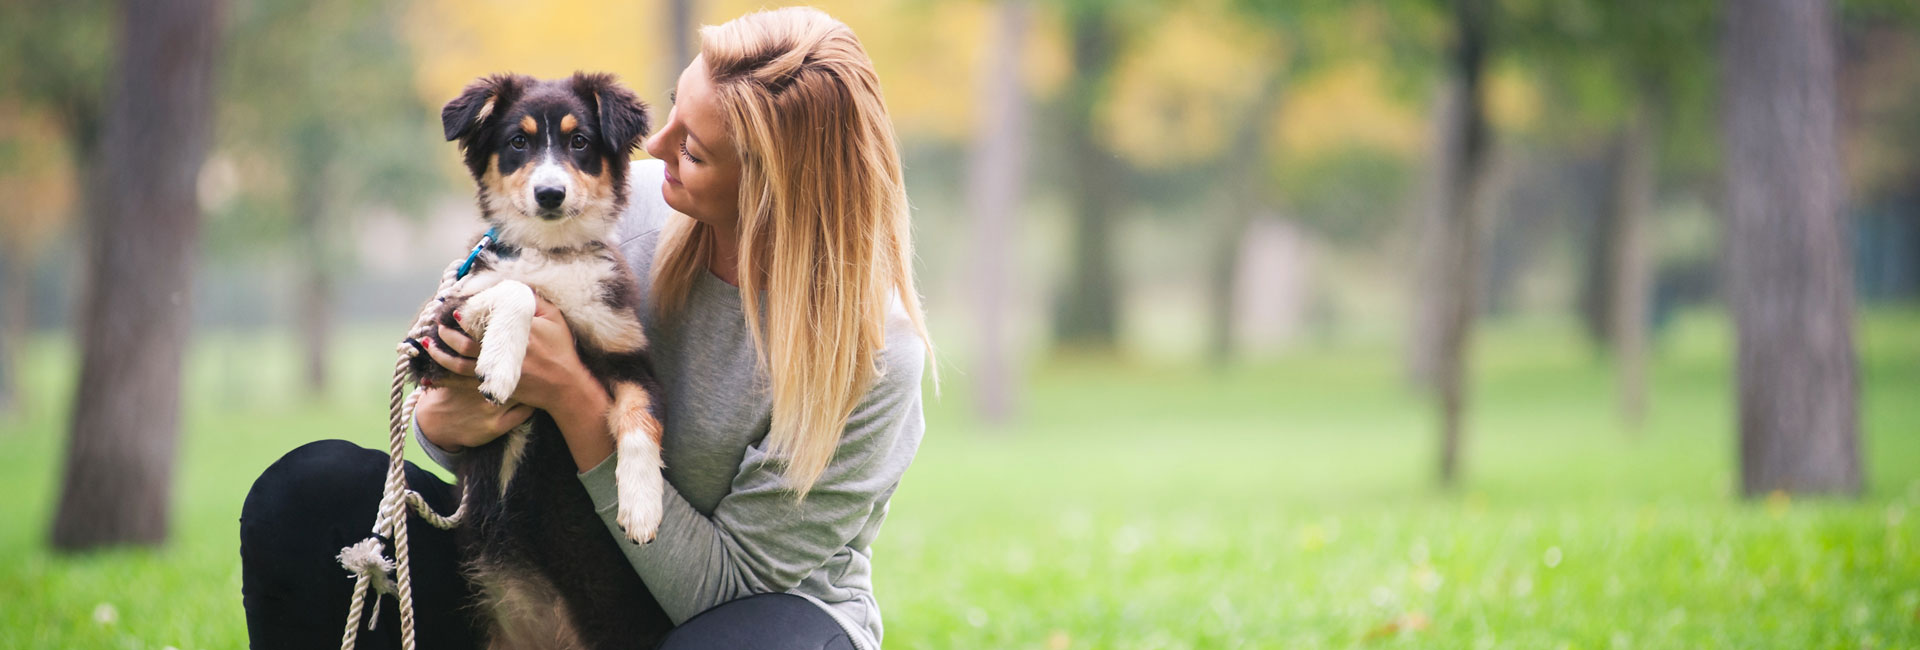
pixel 364 559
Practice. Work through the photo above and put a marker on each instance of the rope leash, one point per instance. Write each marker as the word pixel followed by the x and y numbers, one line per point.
pixel 364 559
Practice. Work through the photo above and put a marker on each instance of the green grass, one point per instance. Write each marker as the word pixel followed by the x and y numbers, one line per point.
pixel 1147 505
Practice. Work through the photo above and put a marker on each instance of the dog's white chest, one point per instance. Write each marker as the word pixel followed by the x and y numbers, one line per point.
pixel 578 286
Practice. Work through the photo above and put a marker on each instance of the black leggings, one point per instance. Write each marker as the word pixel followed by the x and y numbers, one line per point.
pixel 322 497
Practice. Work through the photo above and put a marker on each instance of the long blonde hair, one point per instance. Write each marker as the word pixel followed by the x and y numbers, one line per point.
pixel 823 225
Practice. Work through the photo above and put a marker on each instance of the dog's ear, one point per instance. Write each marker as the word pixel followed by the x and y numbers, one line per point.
pixel 623 117
pixel 463 116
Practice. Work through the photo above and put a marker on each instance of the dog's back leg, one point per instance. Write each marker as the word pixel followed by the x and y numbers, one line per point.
pixel 637 437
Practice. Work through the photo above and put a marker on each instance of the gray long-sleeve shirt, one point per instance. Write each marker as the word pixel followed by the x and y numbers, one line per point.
pixel 731 527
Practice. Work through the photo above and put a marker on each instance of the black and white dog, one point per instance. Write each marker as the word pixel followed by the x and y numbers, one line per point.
pixel 550 158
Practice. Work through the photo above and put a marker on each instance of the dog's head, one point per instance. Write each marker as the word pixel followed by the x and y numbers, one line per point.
pixel 550 157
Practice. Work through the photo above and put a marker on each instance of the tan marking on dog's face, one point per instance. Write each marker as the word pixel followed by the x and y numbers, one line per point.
pixel 507 194
pixel 568 123
pixel 528 124
pixel 596 194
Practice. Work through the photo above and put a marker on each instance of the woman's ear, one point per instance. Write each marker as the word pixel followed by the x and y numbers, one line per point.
pixel 463 116
pixel 624 119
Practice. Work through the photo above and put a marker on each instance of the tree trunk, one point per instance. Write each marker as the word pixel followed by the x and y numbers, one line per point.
pixel 1460 253
pixel 1789 267
pixel 1088 306
pixel 315 288
pixel 993 195
pixel 1629 237
pixel 1246 175
pixel 1429 281
pixel 142 238
pixel 680 39
pixel 16 297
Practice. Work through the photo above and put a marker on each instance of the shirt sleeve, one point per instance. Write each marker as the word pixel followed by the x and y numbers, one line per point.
pixel 758 539
pixel 440 456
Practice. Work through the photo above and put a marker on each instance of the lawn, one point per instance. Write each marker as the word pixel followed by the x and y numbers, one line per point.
pixel 1159 505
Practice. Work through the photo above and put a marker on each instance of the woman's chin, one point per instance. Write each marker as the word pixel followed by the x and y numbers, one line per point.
pixel 671 194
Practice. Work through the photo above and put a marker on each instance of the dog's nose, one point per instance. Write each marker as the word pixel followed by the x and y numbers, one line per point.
pixel 549 197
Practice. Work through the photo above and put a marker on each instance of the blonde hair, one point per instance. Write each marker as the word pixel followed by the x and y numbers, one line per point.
pixel 823 225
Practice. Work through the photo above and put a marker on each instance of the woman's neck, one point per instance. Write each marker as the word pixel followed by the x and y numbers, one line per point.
pixel 724 260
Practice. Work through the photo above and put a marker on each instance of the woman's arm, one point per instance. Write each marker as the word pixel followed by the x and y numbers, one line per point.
pixel 758 539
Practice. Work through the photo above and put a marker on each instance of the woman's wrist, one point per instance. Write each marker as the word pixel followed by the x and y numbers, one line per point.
pixel 423 422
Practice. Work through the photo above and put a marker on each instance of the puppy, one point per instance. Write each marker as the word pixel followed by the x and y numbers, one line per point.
pixel 550 160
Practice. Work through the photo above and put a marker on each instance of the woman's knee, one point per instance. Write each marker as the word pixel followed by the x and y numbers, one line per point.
pixel 319 475
pixel 760 622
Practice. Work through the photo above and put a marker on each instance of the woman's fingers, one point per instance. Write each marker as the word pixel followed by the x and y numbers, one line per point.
pixel 458 364
pixel 459 342
pixel 458 382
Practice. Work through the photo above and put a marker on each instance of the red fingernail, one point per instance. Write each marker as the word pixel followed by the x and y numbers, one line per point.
pixel 456 315
pixel 426 382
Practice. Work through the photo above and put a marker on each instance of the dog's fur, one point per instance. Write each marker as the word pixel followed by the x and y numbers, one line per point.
pixel 550 159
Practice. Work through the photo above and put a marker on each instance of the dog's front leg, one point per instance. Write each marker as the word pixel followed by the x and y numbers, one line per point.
pixel 502 317
pixel 637 476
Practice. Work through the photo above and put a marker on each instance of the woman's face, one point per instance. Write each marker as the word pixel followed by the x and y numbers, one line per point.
pixel 703 174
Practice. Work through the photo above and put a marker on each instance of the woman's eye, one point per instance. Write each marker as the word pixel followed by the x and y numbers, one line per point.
pixel 579 141
pixel 519 142
pixel 688 154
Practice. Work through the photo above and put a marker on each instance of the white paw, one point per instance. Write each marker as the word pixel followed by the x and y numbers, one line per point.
pixel 498 384
pixel 641 486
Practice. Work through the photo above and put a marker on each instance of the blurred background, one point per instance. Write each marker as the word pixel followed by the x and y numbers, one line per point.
pixel 1470 323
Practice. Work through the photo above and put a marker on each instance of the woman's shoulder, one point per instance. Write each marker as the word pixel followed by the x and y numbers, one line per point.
pixel 639 227
pixel 902 362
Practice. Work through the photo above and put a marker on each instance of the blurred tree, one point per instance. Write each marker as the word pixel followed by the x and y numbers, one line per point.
pixel 1452 242
pixel 996 168
pixel 53 62
pixel 141 245
pixel 1245 180
pixel 1088 305
pixel 314 95
pixel 1789 267
pixel 682 44
pixel 36 173
pixel 1627 67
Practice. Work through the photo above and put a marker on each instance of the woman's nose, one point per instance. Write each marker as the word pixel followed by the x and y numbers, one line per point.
pixel 656 145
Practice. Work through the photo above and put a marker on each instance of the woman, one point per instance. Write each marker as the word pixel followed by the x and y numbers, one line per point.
pixel 786 333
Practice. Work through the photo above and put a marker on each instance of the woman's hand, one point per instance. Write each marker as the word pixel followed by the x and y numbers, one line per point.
pixel 552 379
pixel 453 415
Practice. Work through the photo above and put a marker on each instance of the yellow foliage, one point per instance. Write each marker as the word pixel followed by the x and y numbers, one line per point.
pixel 927 54
pixel 1347 106
pixel 456 41
pixel 37 178
pixel 1513 99
pixel 1181 91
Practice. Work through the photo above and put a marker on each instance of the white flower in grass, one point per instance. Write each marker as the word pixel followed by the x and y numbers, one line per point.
pixel 976 617
pixel 1129 539
pixel 1381 597
pixel 1523 586
pixel 105 614
pixel 1427 579
pixel 1552 557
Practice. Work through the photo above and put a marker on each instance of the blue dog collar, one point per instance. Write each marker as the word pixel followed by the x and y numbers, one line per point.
pixel 467 266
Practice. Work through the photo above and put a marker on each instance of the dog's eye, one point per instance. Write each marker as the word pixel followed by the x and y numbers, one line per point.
pixel 579 141
pixel 519 143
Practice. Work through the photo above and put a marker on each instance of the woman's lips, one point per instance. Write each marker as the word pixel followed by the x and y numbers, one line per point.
pixel 670 178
